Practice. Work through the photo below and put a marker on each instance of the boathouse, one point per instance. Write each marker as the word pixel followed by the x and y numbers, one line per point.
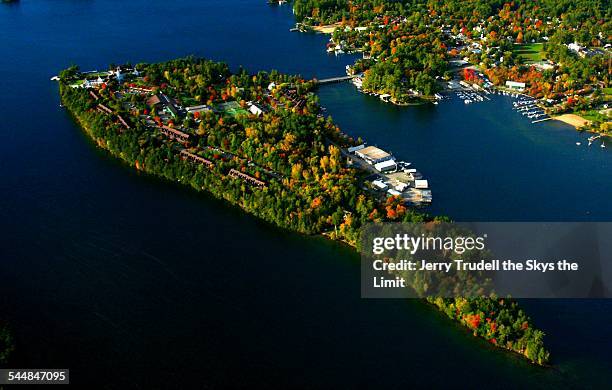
pixel 373 155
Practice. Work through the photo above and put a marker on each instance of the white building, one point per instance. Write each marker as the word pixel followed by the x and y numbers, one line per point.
pixel 373 155
pixel 386 166
pixel 201 108
pixel 575 47
pixel 255 109
pixel 421 184
pixel 515 85
pixel 379 184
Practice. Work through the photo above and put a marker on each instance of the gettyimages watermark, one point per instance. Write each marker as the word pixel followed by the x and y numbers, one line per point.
pixel 518 259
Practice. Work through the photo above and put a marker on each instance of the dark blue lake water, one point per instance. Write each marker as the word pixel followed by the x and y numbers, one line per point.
pixel 132 282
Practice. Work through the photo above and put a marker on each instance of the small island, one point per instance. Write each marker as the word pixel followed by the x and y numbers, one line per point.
pixel 261 142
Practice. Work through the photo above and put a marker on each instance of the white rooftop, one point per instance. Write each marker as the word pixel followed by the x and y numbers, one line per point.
pixel 421 184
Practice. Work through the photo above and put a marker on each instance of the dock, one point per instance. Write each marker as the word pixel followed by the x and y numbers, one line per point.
pixel 541 120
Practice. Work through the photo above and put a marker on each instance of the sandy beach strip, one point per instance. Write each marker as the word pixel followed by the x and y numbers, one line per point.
pixel 573 119
pixel 327 29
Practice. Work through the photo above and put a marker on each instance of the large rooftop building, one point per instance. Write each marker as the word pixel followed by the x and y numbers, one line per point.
pixel 373 155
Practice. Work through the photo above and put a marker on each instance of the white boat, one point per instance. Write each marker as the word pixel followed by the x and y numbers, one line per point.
pixel 603 145
pixel 578 143
pixel 467 101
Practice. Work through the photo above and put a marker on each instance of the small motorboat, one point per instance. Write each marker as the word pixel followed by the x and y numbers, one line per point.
pixel 578 143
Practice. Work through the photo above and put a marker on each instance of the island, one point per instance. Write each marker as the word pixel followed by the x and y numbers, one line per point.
pixel 556 52
pixel 261 142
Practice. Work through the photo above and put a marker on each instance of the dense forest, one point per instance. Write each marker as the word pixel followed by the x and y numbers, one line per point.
pixel 260 142
pixel 408 45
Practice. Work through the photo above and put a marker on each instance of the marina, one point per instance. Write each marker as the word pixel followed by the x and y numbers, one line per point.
pixel 528 107
pixel 388 176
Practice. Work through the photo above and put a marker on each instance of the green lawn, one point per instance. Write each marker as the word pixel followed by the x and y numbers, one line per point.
pixel 231 108
pixel 530 52
pixel 594 115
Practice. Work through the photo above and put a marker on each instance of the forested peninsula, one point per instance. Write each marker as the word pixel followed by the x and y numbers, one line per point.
pixel 260 142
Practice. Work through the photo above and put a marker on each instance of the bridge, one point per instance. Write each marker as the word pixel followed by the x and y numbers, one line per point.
pixel 334 80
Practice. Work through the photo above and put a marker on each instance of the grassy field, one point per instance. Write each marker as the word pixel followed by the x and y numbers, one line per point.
pixel 232 108
pixel 595 115
pixel 530 52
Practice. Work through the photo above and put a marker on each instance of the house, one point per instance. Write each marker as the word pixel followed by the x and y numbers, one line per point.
pixel 515 85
